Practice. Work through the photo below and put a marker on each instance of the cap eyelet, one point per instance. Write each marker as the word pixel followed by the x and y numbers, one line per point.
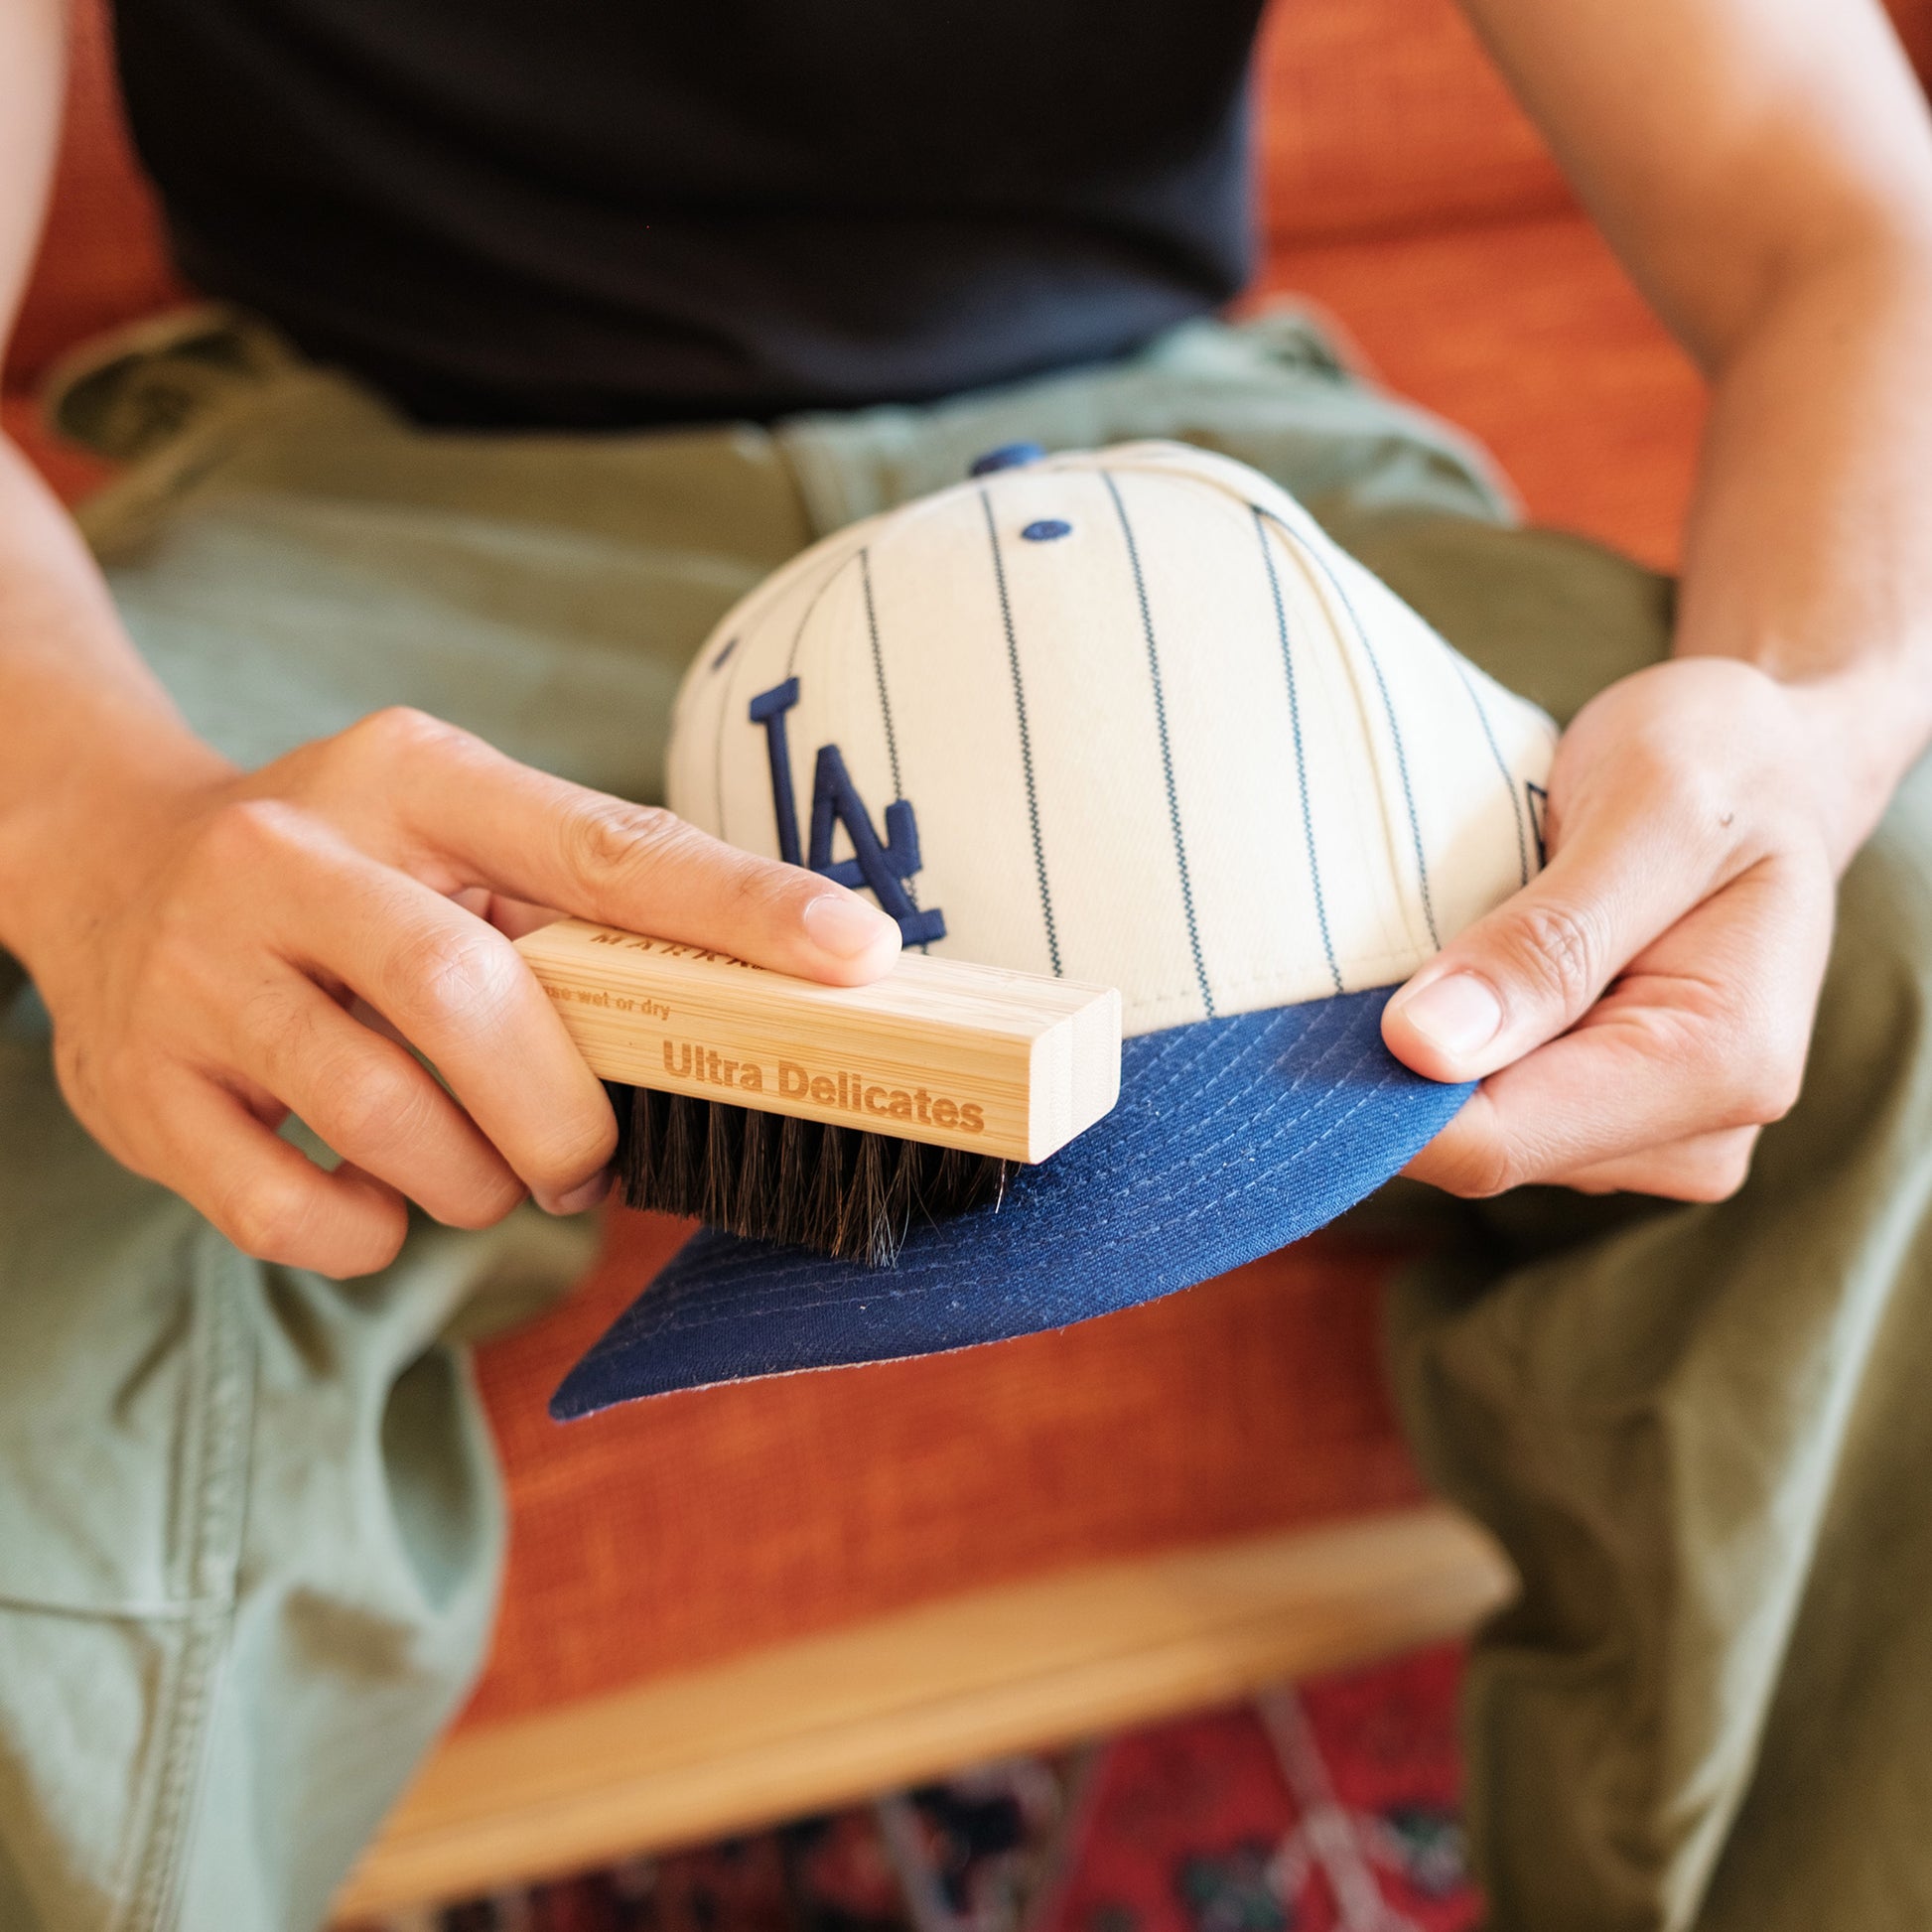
pixel 1047 530
pixel 1009 456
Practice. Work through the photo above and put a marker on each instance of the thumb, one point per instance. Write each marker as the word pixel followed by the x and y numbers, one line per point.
pixel 1532 968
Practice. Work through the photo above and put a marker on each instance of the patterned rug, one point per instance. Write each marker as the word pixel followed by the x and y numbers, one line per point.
pixel 1323 1807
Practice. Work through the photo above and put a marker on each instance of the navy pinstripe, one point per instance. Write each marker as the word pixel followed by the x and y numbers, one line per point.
pixel 830 578
pixel 1496 752
pixel 1300 758
pixel 1388 711
pixel 879 670
pixel 1026 738
pixel 884 703
pixel 1166 754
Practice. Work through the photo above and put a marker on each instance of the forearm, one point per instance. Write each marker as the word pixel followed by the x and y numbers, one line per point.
pixel 85 727
pixel 1808 550
pixel 1765 170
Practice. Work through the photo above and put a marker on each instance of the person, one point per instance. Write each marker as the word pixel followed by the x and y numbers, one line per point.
pixel 805 258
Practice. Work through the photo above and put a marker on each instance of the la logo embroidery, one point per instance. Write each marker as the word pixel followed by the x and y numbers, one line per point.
pixel 883 865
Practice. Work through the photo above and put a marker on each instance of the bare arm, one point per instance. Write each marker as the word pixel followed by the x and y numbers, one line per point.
pixel 200 934
pixel 1764 168
pixel 32 75
pixel 74 692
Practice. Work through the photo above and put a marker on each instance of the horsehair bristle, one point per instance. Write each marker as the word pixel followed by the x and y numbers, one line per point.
pixel 893 1214
pixel 797 1153
pixel 825 1202
pixel 790 1182
pixel 868 1222
pixel 718 1182
pixel 674 1156
pixel 756 1148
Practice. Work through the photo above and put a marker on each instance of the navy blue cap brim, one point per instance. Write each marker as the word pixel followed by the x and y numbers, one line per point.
pixel 1232 1137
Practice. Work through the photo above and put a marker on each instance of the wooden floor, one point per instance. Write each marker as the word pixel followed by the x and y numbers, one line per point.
pixel 833 1717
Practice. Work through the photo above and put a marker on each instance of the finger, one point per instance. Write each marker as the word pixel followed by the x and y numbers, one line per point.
pixel 268 1198
pixel 1707 1033
pixel 1615 1089
pixel 454 988
pixel 543 840
pixel 512 917
pixel 1703 1168
pixel 375 1105
pixel 1610 1090
pixel 1535 965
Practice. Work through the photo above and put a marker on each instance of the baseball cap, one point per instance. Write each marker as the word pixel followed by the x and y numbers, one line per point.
pixel 1127 715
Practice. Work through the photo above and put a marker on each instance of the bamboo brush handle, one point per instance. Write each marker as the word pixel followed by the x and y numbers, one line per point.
pixel 1007 1064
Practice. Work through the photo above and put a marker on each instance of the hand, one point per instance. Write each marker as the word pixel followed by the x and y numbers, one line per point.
pixel 1642 1008
pixel 199 943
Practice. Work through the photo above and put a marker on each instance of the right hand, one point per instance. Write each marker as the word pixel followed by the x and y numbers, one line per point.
pixel 201 943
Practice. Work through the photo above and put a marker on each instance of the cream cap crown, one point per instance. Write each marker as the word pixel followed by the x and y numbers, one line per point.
pixel 1129 715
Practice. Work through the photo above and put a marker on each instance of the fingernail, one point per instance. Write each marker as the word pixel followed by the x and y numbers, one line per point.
pixel 579 1199
pixel 844 926
pixel 1459 1013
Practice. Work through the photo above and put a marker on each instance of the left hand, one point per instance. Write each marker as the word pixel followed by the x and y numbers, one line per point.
pixel 1642 1008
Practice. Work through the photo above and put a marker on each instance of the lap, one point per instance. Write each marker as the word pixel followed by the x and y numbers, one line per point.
pixel 226 1491
pixel 1692 1426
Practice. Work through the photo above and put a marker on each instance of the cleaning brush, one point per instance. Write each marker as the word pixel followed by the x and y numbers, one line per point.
pixel 779 1178
pixel 821 1116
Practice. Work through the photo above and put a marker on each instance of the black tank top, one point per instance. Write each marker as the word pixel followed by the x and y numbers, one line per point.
pixel 584 213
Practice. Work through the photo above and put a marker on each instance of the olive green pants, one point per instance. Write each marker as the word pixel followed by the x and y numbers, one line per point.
pixel 249 1525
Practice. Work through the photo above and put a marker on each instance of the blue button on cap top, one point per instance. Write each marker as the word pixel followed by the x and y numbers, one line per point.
pixel 1009 456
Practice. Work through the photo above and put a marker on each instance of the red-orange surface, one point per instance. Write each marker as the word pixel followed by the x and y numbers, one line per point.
pixel 102 259
pixel 1529 334
pixel 1384 117
pixel 1401 188
pixel 677 1531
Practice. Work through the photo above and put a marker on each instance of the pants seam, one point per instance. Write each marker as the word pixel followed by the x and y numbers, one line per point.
pixel 220 1488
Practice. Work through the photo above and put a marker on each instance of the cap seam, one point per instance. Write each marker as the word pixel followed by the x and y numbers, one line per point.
pixel 1350 633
